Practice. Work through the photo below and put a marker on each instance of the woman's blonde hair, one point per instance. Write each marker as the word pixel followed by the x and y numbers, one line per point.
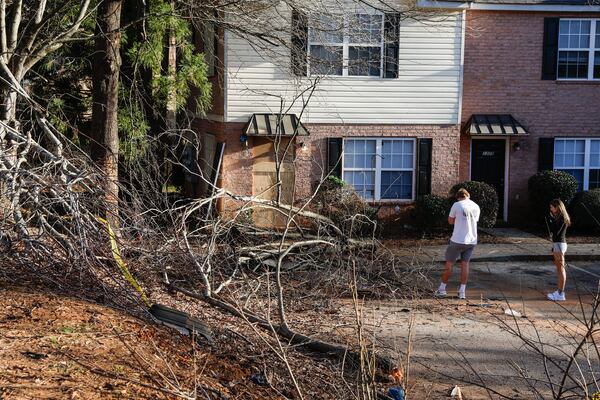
pixel 562 210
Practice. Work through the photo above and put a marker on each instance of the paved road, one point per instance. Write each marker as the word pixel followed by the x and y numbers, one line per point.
pixel 472 340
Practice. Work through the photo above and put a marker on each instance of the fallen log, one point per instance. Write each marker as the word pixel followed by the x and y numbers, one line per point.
pixel 294 338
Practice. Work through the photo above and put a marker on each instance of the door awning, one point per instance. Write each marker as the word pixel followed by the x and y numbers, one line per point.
pixel 266 125
pixel 494 125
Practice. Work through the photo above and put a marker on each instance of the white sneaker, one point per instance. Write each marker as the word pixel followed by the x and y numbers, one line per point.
pixel 555 296
pixel 461 295
pixel 440 293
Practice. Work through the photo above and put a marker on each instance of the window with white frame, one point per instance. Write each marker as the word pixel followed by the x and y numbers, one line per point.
pixel 349 45
pixel 579 49
pixel 580 158
pixel 380 169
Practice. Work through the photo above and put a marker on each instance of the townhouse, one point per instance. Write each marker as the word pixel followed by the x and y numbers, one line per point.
pixel 369 95
pixel 406 101
pixel 531 94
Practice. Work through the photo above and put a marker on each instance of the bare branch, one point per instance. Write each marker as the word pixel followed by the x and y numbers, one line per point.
pixel 57 41
pixel 3 38
pixel 15 23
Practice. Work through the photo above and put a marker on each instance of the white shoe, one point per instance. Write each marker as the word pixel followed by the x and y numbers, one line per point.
pixel 440 293
pixel 555 296
pixel 461 295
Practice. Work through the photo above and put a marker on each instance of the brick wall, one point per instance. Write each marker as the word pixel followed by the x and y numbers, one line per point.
pixel 502 74
pixel 236 169
pixel 311 164
pixel 311 161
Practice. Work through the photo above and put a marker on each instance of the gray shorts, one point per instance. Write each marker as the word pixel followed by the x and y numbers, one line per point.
pixel 559 247
pixel 454 251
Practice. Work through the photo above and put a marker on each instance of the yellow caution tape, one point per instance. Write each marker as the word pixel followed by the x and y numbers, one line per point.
pixel 114 246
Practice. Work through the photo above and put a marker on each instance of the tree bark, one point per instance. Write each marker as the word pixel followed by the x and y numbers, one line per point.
pixel 171 117
pixel 171 109
pixel 105 94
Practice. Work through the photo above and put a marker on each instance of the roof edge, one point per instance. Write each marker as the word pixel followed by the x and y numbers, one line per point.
pixel 472 5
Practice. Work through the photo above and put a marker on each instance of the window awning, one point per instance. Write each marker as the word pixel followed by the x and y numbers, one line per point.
pixel 495 125
pixel 266 125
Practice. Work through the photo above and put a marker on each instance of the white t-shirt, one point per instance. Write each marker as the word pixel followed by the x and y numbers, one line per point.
pixel 466 214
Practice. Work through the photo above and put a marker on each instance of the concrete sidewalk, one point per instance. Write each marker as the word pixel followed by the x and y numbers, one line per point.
pixel 522 247
pixel 514 252
pixel 503 253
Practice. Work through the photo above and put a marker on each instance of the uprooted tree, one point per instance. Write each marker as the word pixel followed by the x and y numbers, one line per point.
pixel 56 198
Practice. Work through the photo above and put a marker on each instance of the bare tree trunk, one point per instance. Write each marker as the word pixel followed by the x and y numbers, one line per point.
pixel 171 73
pixel 9 120
pixel 107 63
pixel 9 113
pixel 171 109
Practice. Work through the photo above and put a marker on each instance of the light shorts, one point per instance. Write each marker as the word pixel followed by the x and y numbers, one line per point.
pixel 454 251
pixel 559 248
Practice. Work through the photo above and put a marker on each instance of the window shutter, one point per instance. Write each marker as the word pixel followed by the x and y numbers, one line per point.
pixel 391 37
pixel 424 147
pixel 546 154
pixel 299 43
pixel 550 55
pixel 334 156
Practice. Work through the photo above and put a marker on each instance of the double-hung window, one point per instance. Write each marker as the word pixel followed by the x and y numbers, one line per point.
pixel 346 45
pixel 580 158
pixel 380 169
pixel 579 49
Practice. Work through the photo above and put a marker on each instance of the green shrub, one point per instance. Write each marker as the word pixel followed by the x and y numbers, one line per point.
pixel 585 210
pixel 432 212
pixel 486 198
pixel 547 185
pixel 345 207
pixel 333 181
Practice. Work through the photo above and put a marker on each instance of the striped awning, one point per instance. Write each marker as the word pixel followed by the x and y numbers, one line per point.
pixel 267 125
pixel 494 125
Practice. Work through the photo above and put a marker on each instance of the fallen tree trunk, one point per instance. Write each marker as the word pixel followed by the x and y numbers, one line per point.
pixel 294 338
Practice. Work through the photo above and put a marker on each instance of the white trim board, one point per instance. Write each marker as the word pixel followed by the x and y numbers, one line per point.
pixel 506 167
pixel 225 74
pixel 469 5
pixel 462 66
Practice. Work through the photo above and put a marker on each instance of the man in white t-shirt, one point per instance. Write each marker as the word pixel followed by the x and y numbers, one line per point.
pixel 464 215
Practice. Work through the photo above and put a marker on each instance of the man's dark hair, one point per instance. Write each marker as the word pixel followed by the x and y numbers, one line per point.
pixel 462 194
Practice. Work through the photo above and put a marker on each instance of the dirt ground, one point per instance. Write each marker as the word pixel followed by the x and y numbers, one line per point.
pixel 53 347
pixel 56 347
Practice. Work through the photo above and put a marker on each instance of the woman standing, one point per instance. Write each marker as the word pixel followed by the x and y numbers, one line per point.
pixel 558 221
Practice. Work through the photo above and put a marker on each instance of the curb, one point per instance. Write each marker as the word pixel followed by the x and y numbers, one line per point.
pixel 531 257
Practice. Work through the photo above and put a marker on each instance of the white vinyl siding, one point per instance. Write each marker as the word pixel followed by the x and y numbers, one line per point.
pixel 426 91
